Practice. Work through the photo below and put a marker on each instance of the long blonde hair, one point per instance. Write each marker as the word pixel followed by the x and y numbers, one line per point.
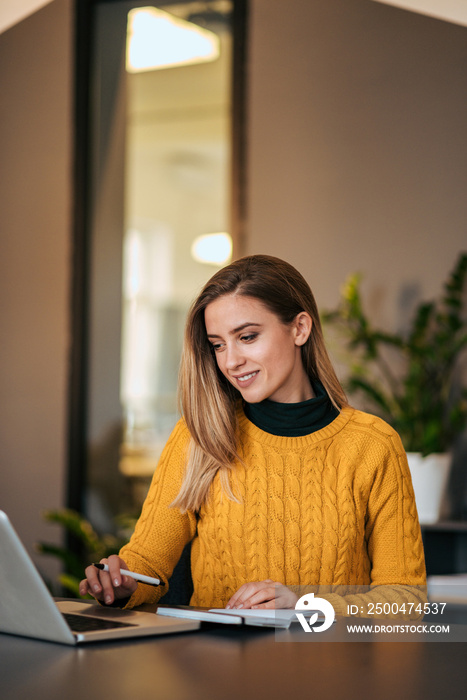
pixel 208 401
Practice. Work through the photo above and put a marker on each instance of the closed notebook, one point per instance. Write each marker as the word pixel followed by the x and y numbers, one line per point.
pixel 280 618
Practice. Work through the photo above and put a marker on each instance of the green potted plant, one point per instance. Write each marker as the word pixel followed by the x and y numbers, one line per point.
pixel 92 547
pixel 412 379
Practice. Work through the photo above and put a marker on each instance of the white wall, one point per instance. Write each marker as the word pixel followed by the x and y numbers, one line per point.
pixel 358 146
pixel 35 222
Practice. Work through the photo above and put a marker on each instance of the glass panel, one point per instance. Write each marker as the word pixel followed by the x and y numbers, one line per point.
pixel 161 189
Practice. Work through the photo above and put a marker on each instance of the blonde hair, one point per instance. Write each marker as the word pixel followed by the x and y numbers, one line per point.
pixel 208 401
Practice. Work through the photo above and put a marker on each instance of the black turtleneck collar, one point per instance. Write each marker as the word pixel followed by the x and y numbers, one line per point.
pixel 293 419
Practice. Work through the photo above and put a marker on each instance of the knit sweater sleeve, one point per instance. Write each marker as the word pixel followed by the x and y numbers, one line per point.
pixel 393 531
pixel 394 540
pixel 161 531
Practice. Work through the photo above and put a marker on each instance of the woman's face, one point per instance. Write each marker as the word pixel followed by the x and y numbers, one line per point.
pixel 256 352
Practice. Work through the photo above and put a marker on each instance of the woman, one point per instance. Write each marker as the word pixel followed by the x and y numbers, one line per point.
pixel 275 479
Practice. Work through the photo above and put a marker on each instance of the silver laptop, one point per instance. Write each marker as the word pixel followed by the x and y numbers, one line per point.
pixel 28 609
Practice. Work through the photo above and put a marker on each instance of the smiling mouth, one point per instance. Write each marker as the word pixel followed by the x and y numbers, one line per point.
pixel 246 377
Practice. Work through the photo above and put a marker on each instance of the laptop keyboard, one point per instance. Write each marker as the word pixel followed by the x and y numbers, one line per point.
pixel 82 623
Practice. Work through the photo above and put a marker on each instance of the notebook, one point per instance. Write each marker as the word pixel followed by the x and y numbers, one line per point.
pixel 280 618
pixel 28 609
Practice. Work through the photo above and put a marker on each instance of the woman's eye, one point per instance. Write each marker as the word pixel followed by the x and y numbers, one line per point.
pixel 216 347
pixel 249 338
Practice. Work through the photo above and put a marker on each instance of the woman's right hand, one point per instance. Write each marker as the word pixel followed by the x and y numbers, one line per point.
pixel 108 586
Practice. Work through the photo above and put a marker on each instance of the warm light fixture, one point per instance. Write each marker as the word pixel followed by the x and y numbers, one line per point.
pixel 212 248
pixel 157 39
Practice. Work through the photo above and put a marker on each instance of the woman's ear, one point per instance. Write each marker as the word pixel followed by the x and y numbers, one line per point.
pixel 302 328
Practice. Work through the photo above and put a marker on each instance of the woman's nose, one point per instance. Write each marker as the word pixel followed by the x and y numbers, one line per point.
pixel 234 357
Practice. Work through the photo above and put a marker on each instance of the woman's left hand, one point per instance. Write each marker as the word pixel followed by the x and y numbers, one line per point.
pixel 266 594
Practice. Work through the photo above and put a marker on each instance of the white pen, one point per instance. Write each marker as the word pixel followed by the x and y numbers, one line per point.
pixel 148 580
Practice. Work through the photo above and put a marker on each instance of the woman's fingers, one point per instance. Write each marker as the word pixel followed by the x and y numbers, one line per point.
pixel 115 564
pixel 99 583
pixel 91 584
pixel 283 598
pixel 106 586
pixel 241 599
pixel 262 594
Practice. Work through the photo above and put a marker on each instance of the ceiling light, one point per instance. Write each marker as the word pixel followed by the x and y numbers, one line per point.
pixel 157 39
pixel 212 248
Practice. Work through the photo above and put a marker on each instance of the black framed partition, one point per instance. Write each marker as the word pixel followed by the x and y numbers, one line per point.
pixel 159 168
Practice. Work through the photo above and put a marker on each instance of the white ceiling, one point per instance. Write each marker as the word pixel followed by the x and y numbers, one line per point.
pixel 13 11
pixel 449 10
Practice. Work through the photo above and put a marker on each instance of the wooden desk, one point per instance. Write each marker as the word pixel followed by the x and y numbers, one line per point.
pixel 223 663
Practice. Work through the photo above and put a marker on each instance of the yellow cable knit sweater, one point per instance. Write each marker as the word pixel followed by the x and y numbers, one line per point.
pixel 332 509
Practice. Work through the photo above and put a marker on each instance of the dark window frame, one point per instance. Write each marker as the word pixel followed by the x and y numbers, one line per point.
pixel 81 247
